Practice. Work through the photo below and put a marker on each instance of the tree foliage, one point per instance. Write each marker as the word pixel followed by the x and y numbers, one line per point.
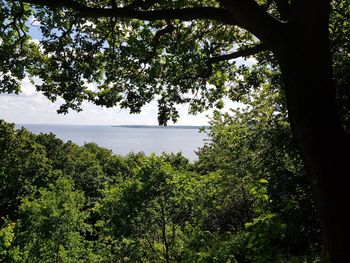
pixel 130 62
pixel 128 53
pixel 163 208
pixel 51 227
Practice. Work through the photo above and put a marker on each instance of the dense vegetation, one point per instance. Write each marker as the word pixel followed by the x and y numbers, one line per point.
pixel 245 200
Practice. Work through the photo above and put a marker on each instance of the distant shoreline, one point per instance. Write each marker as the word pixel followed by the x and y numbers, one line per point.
pixel 119 126
pixel 123 139
pixel 160 127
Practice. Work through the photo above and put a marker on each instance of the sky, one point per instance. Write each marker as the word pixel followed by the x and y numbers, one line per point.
pixel 31 107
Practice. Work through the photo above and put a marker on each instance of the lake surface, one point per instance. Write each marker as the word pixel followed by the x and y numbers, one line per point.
pixel 126 139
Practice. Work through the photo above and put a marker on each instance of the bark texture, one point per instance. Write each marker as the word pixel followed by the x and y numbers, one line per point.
pixel 304 56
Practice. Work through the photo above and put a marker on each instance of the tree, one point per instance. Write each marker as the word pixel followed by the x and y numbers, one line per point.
pixel 24 167
pixel 75 162
pixel 51 227
pixel 134 50
pixel 159 214
pixel 258 143
pixel 142 210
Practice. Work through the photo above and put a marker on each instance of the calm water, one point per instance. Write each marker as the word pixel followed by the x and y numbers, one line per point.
pixel 122 140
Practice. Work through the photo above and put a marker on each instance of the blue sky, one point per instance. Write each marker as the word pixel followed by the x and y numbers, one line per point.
pixel 31 107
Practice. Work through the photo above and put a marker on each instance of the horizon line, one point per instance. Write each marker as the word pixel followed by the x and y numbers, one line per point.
pixel 115 125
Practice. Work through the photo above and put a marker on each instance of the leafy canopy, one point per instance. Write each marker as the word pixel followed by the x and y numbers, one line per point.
pixel 126 53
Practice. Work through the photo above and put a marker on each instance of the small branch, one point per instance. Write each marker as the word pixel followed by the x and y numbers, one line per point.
pixel 241 53
pixel 155 42
pixel 152 248
pixel 185 14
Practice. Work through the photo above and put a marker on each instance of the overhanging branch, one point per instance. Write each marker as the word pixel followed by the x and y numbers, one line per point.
pixel 255 19
pixel 191 13
pixel 241 53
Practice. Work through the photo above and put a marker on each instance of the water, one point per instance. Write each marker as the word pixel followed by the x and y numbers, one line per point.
pixel 126 139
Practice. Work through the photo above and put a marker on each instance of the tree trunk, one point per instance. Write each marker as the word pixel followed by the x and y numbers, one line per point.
pixel 305 61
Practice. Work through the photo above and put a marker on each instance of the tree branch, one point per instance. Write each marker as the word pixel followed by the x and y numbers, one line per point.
pixel 253 18
pixel 191 13
pixel 241 53
pixel 169 28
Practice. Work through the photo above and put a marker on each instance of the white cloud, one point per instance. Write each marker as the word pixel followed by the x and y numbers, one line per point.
pixel 32 107
pixel 246 61
pixel 34 21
